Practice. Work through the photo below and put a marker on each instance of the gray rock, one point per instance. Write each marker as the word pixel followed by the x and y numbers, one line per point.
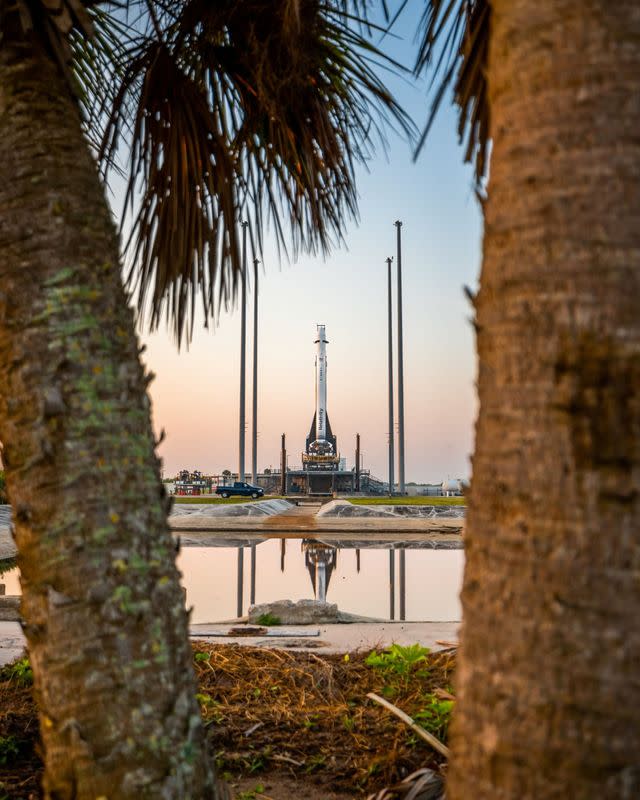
pixel 10 608
pixel 304 612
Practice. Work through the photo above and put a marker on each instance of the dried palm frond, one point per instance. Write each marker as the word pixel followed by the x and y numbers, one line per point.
pixel 52 21
pixel 242 110
pixel 186 175
pixel 95 67
pixel 424 784
pixel 455 47
pixel 84 37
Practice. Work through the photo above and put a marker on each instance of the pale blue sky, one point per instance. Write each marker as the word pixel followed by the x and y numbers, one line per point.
pixel 195 394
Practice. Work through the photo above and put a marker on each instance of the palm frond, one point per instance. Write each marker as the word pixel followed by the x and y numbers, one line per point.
pixel 84 38
pixel 52 21
pixel 187 177
pixel 454 48
pixel 96 60
pixel 243 110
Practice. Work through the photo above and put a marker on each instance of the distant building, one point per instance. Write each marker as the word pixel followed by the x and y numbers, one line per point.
pixel 424 489
pixel 192 483
pixel 454 487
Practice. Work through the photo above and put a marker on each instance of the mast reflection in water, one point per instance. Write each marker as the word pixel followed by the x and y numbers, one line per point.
pixel 358 582
pixel 433 579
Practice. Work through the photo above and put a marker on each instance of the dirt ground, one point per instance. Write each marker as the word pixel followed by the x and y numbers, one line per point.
pixel 278 787
pixel 281 724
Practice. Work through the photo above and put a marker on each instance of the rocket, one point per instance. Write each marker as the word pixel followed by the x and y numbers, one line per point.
pixel 321 385
pixel 321 440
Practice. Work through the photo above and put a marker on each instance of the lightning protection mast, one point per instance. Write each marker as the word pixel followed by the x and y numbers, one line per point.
pixel 401 486
pixel 243 355
pixel 390 356
pixel 254 415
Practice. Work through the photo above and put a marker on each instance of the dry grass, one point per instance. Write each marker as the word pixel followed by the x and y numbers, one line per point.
pixel 309 715
pixel 271 713
pixel 20 765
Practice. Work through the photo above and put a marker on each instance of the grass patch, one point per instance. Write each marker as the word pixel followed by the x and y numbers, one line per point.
pixel 19 672
pixel 252 794
pixel 7 564
pixel 268 620
pixel 417 500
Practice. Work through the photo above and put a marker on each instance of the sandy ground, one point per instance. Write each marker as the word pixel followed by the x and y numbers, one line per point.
pixel 338 638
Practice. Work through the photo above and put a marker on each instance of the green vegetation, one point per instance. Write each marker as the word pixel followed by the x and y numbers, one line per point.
pixel 19 672
pixel 9 749
pixel 268 619
pixel 315 762
pixel 416 500
pixel 399 666
pixel 398 661
pixel 404 668
pixel 200 656
pixel 435 716
pixel 247 695
pixel 210 709
pixel 252 794
pixel 7 564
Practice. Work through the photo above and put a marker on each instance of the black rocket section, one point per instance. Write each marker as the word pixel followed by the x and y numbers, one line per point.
pixel 312 435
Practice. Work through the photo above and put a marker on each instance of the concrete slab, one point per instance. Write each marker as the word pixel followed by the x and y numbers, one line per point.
pixel 7 545
pixel 338 638
pixel 197 531
pixel 346 638
pixel 12 642
pixel 303 523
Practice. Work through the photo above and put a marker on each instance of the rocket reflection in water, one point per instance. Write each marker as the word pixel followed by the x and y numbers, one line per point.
pixel 320 559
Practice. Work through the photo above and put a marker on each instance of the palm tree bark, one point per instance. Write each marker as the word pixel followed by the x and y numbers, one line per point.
pixel 549 695
pixel 102 605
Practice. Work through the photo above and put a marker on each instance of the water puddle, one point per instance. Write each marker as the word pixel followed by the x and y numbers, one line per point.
pixel 357 580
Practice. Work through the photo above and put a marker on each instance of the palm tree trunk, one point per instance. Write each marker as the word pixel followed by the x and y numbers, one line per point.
pixel 102 606
pixel 549 695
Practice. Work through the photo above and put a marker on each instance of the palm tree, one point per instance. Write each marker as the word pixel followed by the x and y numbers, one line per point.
pixel 549 697
pixel 235 109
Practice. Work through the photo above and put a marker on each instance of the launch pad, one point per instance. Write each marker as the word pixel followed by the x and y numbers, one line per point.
pixel 323 472
pixel 321 459
pixel 321 452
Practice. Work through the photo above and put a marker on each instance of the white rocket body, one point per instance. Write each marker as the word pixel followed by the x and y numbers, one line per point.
pixel 321 385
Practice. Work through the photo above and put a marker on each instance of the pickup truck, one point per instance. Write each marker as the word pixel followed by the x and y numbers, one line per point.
pixel 243 489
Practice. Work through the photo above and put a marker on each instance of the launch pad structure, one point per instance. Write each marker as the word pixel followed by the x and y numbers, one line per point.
pixel 321 473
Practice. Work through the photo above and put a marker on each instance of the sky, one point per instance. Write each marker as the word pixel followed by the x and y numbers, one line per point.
pixel 195 393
